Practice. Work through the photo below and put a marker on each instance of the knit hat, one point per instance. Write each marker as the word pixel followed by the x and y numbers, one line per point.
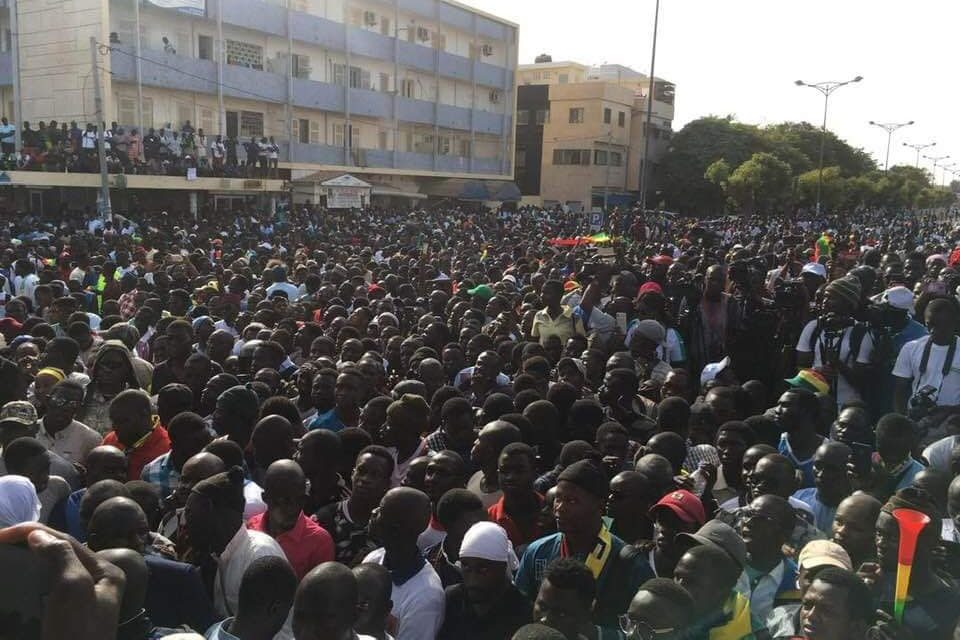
pixel 482 291
pixel 848 288
pixel 488 541
pixel 409 408
pixel 587 475
pixel 809 379
pixel 224 489
pixel 240 400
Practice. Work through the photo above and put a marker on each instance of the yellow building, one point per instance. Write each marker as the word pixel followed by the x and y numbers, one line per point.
pixel 405 94
pixel 581 133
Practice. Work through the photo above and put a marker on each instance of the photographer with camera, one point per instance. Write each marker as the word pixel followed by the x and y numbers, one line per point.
pixel 927 371
pixel 834 344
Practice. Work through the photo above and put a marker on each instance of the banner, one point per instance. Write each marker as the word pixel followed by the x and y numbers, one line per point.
pixel 344 198
pixel 194 7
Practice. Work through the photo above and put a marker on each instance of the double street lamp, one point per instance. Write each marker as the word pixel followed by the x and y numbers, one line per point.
pixel 889 127
pixel 936 161
pixel 918 148
pixel 826 88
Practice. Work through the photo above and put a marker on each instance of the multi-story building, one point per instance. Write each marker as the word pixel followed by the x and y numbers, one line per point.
pixel 581 133
pixel 404 94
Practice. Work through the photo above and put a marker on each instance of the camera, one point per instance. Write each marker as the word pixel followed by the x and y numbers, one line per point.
pixel 922 402
pixel 789 294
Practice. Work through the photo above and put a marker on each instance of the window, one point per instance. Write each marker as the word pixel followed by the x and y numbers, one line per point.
pixel 339 74
pixel 571 156
pixel 301 66
pixel 185 112
pixel 621 119
pixel 607 115
pixel 547 75
pixel 338 139
pixel 205 47
pixel 303 131
pixel 564 78
pixel 244 54
pixel 354 137
pixel 147 113
pixel 407 87
pixel 543 116
pixel 385 26
pixel 576 115
pixel 523 117
pixel 521 160
pixel 384 82
pixel 127 111
pixel 464 148
pixel 208 122
pixel 600 158
pixel 423 143
pixel 443 145
pixel 359 78
pixel 382 139
pixel 251 124
pixel 616 159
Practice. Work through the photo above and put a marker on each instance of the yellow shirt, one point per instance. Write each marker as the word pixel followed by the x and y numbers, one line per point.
pixel 565 325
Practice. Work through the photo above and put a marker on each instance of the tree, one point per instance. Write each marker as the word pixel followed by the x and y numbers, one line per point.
pixel 832 192
pixel 718 173
pixel 836 153
pixel 761 184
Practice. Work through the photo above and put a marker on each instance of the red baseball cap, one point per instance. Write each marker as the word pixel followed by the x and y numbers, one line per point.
pixel 684 504
pixel 650 287
pixel 661 259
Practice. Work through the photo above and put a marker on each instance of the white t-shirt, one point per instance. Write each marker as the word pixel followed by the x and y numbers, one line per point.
pixel 908 367
pixel 845 391
pixel 418 603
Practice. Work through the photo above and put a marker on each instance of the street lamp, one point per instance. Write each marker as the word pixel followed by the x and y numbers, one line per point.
pixel 947 168
pixel 918 148
pixel 646 132
pixel 936 160
pixel 826 88
pixel 889 127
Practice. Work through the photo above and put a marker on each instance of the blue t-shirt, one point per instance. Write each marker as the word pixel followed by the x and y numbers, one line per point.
pixel 822 514
pixel 329 420
pixel 805 466
pixel 913 331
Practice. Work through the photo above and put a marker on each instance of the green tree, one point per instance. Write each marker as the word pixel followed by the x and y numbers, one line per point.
pixel 833 189
pixel 718 173
pixel 761 184
pixel 836 153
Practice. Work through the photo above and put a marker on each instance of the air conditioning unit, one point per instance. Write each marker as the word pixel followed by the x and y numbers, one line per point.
pixel 487 50
pixel 423 34
pixel 495 96
pixel 370 18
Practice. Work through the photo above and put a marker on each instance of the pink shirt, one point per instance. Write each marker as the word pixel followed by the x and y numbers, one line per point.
pixel 306 545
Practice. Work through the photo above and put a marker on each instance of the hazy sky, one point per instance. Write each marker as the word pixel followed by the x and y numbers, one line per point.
pixel 741 57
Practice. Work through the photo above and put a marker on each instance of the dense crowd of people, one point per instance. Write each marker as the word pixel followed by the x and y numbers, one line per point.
pixel 167 151
pixel 485 425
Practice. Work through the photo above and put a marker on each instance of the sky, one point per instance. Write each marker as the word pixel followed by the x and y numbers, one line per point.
pixel 741 57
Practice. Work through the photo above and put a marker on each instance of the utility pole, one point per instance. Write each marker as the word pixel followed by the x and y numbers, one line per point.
pixel 105 210
pixel 644 162
pixel 606 179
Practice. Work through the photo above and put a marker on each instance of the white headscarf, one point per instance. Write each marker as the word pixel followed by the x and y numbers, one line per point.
pixel 18 501
pixel 488 541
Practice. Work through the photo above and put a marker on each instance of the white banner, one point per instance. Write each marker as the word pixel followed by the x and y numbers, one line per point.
pixel 196 7
pixel 344 198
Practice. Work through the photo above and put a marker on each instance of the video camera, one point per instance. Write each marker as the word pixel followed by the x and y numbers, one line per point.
pixel 789 294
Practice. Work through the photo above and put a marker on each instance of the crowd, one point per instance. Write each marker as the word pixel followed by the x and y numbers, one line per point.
pixel 167 151
pixel 464 425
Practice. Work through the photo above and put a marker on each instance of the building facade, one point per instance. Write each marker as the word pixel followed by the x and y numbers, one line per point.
pixel 404 92
pixel 581 133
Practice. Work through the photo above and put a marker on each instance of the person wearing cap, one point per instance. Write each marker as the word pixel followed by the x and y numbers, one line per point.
pixel 929 367
pixel 834 345
pixel 709 574
pixel 652 304
pixel 677 512
pixel 582 489
pixel 486 604
pixel 644 339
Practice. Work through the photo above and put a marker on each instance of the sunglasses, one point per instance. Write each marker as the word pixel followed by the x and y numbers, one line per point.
pixel 641 629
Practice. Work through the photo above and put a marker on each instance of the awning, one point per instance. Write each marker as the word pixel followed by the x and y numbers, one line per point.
pixel 464 189
pixel 394 192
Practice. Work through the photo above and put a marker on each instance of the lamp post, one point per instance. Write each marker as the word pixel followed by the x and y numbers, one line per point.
pixel 889 127
pixel 826 88
pixel 918 148
pixel 646 133
pixel 947 168
pixel 936 160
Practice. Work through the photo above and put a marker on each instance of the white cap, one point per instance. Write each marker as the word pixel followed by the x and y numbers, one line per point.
pixel 510 278
pixel 816 269
pixel 713 369
pixel 898 298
